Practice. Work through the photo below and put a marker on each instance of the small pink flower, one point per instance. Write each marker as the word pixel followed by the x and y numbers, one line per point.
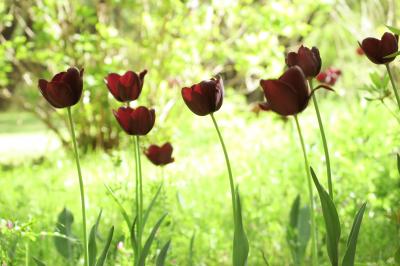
pixel 120 245
pixel 329 76
pixel 10 225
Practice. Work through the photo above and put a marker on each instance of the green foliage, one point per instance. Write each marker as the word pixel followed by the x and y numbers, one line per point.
pixel 240 241
pixel 332 223
pixel 298 230
pixel 66 244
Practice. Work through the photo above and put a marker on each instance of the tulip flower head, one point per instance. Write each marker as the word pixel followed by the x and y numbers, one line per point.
pixel 329 76
pixel 288 95
pixel 205 97
pixel 138 121
pixel 307 59
pixel 127 87
pixel 64 89
pixel 160 155
pixel 376 50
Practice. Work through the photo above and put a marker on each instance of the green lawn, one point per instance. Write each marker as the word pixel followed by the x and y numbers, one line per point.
pixel 266 160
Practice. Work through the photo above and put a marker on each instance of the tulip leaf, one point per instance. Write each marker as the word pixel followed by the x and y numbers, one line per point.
pixel 133 236
pixel 92 248
pixel 39 262
pixel 103 256
pixel 393 29
pixel 240 242
pixel 121 208
pixel 298 233
pixel 398 163
pixel 348 259
pixel 191 249
pixel 148 210
pixel 149 241
pixel 332 223
pixel 65 245
pixel 163 254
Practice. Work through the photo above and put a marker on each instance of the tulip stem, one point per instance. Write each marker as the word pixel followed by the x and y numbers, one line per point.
pixel 135 245
pixel 310 191
pixel 324 142
pixel 78 167
pixel 140 183
pixel 396 93
pixel 228 165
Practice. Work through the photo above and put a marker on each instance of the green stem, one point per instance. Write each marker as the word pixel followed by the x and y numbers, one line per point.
pixel 78 167
pixel 396 93
pixel 135 245
pixel 140 183
pixel 310 192
pixel 324 142
pixel 228 165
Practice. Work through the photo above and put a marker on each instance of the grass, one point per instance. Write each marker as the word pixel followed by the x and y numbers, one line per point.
pixel 266 161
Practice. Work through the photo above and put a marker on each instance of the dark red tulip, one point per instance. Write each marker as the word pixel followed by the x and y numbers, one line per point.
pixel 65 88
pixel 137 121
pixel 127 87
pixel 288 95
pixel 307 59
pixel 160 155
pixel 376 49
pixel 329 76
pixel 205 97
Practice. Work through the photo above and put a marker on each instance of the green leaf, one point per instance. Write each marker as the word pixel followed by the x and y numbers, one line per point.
pixel 240 242
pixel 298 232
pixel 39 262
pixel 393 29
pixel 103 256
pixel 392 55
pixel 133 237
pixel 63 245
pixel 121 208
pixel 148 210
pixel 348 259
pixel 92 249
pixel 149 241
pixel 397 256
pixel 332 223
pixel 191 249
pixel 163 254
pixel 398 163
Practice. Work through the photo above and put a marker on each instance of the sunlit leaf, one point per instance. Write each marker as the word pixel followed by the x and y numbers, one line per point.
pixel 393 29
pixel 103 256
pixel 348 259
pixel 149 241
pixel 163 254
pixel 149 208
pixel 240 242
pixel 332 223
pixel 92 248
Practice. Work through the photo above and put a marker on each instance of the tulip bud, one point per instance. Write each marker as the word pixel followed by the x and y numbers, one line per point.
pixel 205 97
pixel 65 88
pixel 137 121
pixel 127 87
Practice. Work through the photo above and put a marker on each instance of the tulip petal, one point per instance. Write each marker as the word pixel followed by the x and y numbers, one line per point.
pixel 281 97
pixel 295 78
pixel 371 47
pixel 389 45
pixel 196 102
pixel 59 94
pixel 130 86
pixel 112 84
pixel 123 117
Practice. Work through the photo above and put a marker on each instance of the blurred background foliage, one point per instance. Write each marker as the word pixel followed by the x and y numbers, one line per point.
pixel 180 43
